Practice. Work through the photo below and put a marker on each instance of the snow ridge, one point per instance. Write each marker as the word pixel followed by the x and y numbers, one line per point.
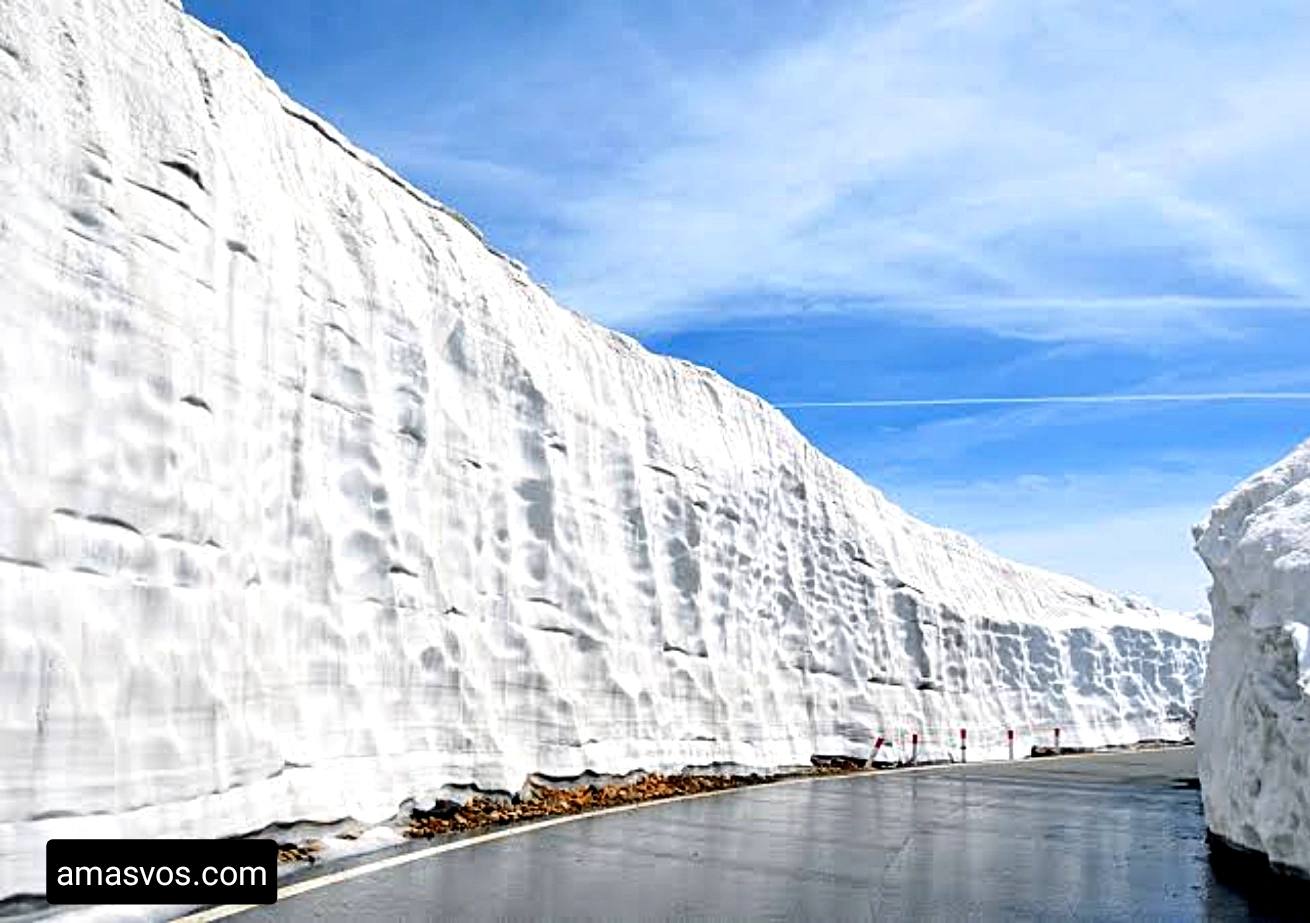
pixel 311 504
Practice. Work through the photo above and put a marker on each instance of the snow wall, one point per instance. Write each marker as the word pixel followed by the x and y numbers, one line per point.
pixel 1253 735
pixel 311 503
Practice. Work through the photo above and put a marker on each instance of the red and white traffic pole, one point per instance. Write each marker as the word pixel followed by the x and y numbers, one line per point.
pixel 1009 736
pixel 964 746
pixel 876 747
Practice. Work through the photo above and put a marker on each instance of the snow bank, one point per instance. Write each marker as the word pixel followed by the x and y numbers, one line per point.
pixel 311 504
pixel 1253 734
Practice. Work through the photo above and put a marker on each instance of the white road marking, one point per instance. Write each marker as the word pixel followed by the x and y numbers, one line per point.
pixel 418 855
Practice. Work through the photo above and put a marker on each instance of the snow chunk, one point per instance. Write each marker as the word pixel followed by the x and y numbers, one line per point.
pixel 1252 731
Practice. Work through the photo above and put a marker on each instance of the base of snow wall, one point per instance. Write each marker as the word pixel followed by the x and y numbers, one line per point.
pixel 1251 867
pixel 277 803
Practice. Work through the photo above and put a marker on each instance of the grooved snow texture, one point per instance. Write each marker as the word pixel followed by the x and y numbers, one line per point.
pixel 310 503
pixel 1253 735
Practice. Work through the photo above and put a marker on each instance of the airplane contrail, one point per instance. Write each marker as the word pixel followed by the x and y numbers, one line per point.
pixel 1217 396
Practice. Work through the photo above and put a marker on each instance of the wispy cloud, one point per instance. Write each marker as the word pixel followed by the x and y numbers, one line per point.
pixel 1213 397
pixel 971 157
pixel 1075 171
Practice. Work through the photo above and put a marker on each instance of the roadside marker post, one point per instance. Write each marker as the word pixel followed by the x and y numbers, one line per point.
pixel 914 748
pixel 1009 736
pixel 876 747
pixel 1057 741
pixel 964 746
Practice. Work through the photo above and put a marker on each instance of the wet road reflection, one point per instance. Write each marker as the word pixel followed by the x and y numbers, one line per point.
pixel 1110 837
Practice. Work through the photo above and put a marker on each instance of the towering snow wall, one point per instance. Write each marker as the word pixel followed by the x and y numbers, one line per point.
pixel 1253 735
pixel 310 503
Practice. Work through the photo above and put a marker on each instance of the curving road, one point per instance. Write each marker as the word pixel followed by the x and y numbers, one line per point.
pixel 1105 837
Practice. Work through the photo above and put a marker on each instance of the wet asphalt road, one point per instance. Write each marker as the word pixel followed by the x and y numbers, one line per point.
pixel 1107 837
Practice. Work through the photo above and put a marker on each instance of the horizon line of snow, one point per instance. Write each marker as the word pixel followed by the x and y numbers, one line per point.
pixel 1057 399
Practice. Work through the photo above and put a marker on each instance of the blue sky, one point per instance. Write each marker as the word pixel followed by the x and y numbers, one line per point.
pixel 899 200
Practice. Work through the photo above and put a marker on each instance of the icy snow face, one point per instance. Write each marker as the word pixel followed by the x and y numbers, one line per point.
pixel 1253 734
pixel 311 504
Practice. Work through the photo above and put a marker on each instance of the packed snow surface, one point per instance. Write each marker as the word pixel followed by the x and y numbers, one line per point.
pixel 311 503
pixel 1253 735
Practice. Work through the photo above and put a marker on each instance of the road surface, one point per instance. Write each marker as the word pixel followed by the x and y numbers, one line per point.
pixel 1106 837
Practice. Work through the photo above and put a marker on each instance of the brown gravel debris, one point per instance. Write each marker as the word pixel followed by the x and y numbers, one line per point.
pixel 482 811
pixel 299 852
